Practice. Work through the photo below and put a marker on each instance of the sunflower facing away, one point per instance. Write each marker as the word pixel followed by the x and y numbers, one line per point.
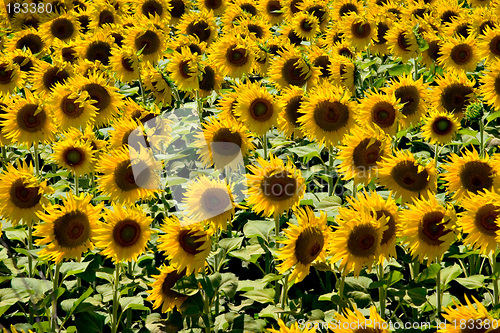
pixel 274 187
pixel 440 127
pixel 22 194
pixel 67 229
pixel 77 157
pixel 407 177
pixel 357 240
pixel 187 246
pixel 305 243
pixel 470 314
pixel 469 174
pixel 480 220
pixel 328 114
pixel 428 228
pixel 162 293
pixel 124 234
pixel 361 152
pixel 209 201
pixel 381 110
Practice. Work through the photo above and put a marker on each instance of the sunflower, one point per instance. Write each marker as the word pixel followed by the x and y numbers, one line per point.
pixel 489 45
pixel 402 41
pixel 305 25
pixel 124 234
pixel 24 58
pixel 200 24
pixel 290 7
pixel 87 135
pixel 5 104
pixel 24 20
pixel 361 153
pixel 45 76
pixel 233 54
pixel 256 108
pixel 76 157
pixel 11 77
pixel 355 322
pixel 343 8
pixel 379 42
pixel 274 187
pixel 158 85
pixel 153 8
pixel 378 207
pixel 294 328
pixel 357 30
pixel 128 177
pixel 63 27
pixel 381 110
pixel 209 201
pixel 66 51
pixel 289 36
pixel 272 10
pixel 328 114
pixel 440 127
pixel 291 69
pixel 183 68
pixel 343 71
pixel 357 240
pixel 125 63
pixel 332 36
pixel 28 121
pixel 67 229
pixel 147 39
pixel 97 49
pixel 104 97
pixel 289 104
pixel 209 79
pixel 469 174
pixel 432 53
pixel 305 243
pixel 407 177
pixel 187 247
pixel 453 93
pixel 428 228
pixel 177 9
pixel 412 95
pixel 226 105
pixel 318 8
pixel 344 49
pixel 490 88
pixel 120 134
pixel 257 28
pixel 29 39
pixel 321 59
pixel 468 316
pixel 102 13
pixel 459 54
pixel 223 142
pixel 232 13
pixel 162 293
pixel 22 194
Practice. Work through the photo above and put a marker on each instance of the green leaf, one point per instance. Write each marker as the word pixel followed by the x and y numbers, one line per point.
pixel 229 284
pixel 70 305
pixel 399 70
pixel 418 296
pixel 472 282
pixel 361 283
pixel 230 244
pixel 493 116
pixel 35 288
pixel 72 268
pixel 8 297
pixel 307 152
pixel 250 253
pixel 135 302
pixel 260 228
pixel 261 295
pixel 449 273
pixel 428 273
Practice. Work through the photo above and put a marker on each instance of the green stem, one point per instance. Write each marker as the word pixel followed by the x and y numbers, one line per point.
pixel 277 227
pixel 129 294
pixel 284 295
pixel 381 290
pixel 199 102
pixel 55 286
pixel 116 299
pixel 330 169
pixel 436 154
pixel 207 312
pixel 415 73
pixel 495 279
pixel 321 281
pixel 140 83
pixel 438 289
pixel 76 185
pixel 341 289
pixel 481 131
pixel 264 145
pixel 35 159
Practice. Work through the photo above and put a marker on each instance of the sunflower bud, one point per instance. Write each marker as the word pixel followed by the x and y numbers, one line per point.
pixel 474 111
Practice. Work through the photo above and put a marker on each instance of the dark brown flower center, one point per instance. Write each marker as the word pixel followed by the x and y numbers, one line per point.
pixel 54 75
pixel 62 28
pixel 74 156
pixel 463 30
pixel 454 97
pixel 99 94
pixel 126 233
pixel 331 116
pixel 361 30
pixel 169 282
pixel 347 8
pixel 384 114
pixel 215 201
pixel 432 228
pixel 106 17
pixel 124 176
pixel 22 196
pixel 150 8
pixel 207 81
pixel 70 107
pixel 226 143
pixel 72 229
pixel 98 50
pixel 309 245
pixel 25 64
pixel 406 175
pixel 497 85
pixel 494 45
pixel 485 219
pixel 128 64
pixel 279 186
pixel 448 16
pixel 292 110
pixel 178 8
pixel 294 6
pixel 390 232
pixel 69 54
pixel 476 176
pixel 28 121
pixel 382 29
pixel 434 50
pixel 32 42
pixel 361 241
pixel 461 54
pixel 365 156
pixel 200 29
pixel 442 126
pixel 249 8
pixel 213 4
pixel 5 74
pixel 403 42
pixel 256 30
pixel 273 8
pixel 261 109
pixel 323 62
pixel 409 96
pixel 318 11
pixel 293 73
pixel 190 242
pixel 84 23
pixel 237 56
pixel 148 42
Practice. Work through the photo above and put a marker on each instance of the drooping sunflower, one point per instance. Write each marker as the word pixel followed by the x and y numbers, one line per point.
pixel 289 105
pixel 186 246
pixel 162 293
pixel 223 142
pixel 45 76
pixel 76 157
pixel 470 174
pixel 428 228
pixel 209 201
pixel 355 322
pixel 63 27
pixel 328 114
pixel 459 54
pixel 28 121
pixel 103 96
pixel 67 229
pixel 124 234
pixel 200 24
pixel 125 63
pixel 305 243
pixel 256 108
pixel 489 45
pixel 477 316
pixel 381 110
pixel 294 328
pixel 128 177
pixel 357 30
pixel 11 77
pixel 440 127
pixel 147 39
pixel 490 88
pixel 453 93
pixel 291 69
pixel 233 54
pixel 407 177
pixel 357 241
pixel 402 41
pixel 362 151
pixel 274 187
pixel 412 95
pixel 22 194
pixel 480 220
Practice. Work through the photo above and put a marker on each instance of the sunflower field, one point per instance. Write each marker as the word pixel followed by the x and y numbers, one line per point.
pixel 249 166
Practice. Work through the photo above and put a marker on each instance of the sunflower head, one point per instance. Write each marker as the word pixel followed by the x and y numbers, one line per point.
pixel 440 127
pixel 162 293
